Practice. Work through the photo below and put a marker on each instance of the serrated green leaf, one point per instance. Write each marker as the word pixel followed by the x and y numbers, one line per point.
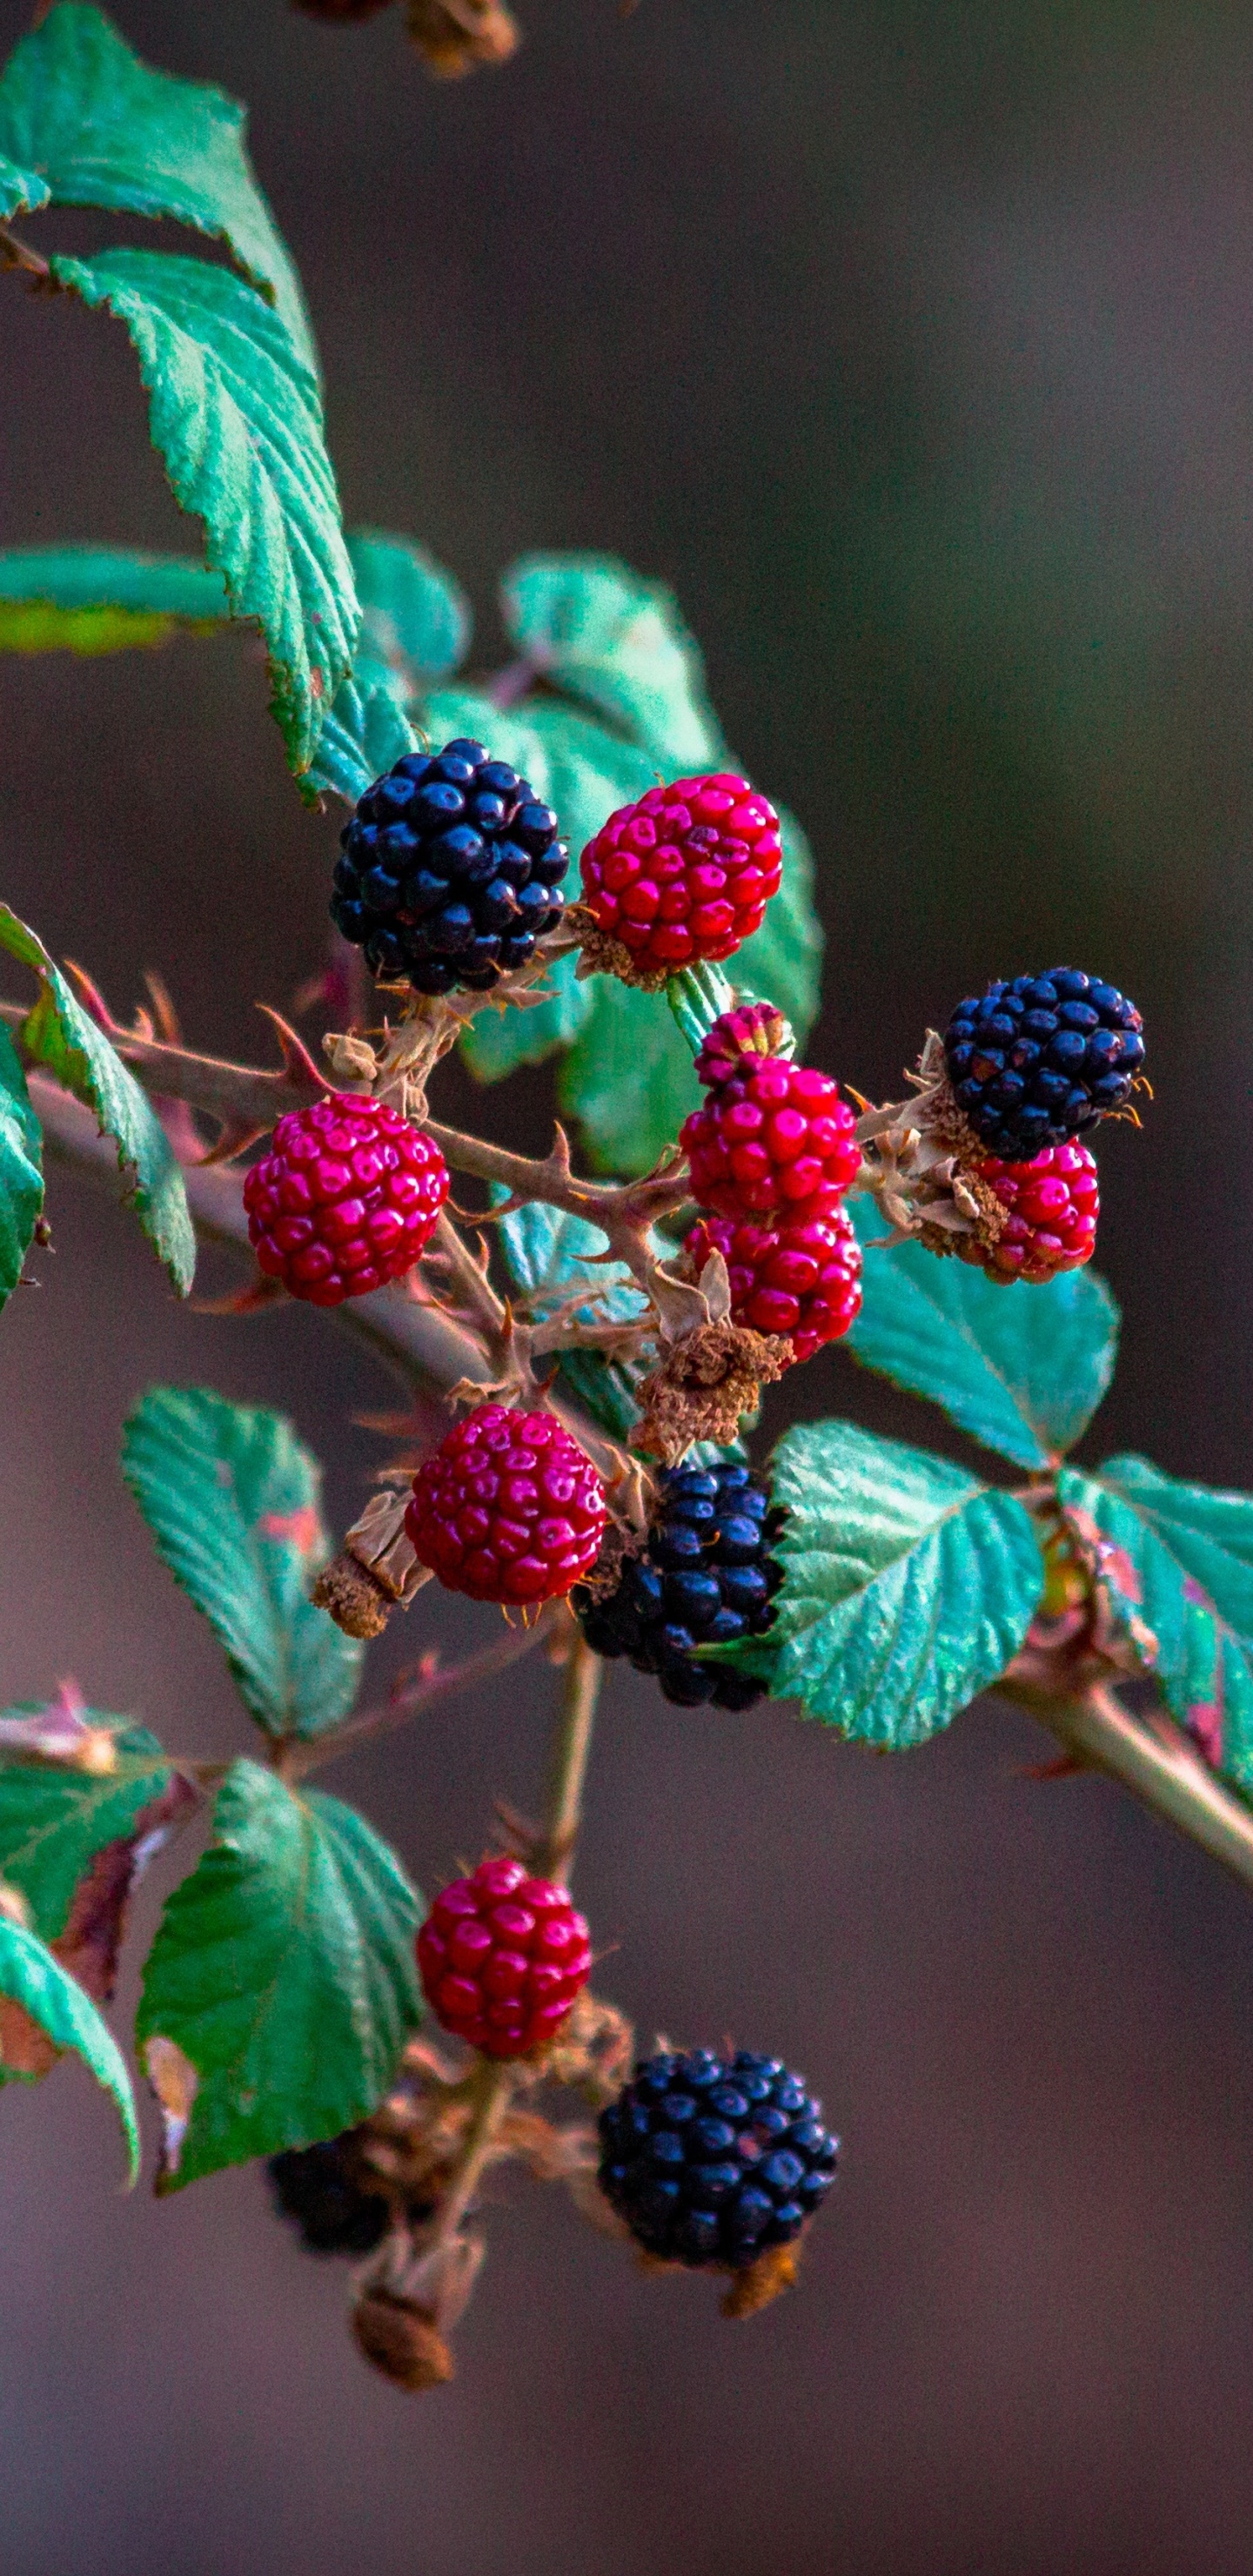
pixel 415 618
pixel 22 192
pixel 284 1972
pixel 102 599
pixel 908 1585
pixel 1179 1559
pixel 59 1035
pixel 235 412
pixel 1018 1367
pixel 80 108
pixel 547 1250
pixel 55 1818
pixel 366 731
pixel 232 1498
pixel 618 642
pixel 33 1979
pixel 21 1167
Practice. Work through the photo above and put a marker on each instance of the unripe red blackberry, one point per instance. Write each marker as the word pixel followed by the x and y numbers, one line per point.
pixel 503 1958
pixel 802 1281
pixel 508 1508
pixel 1053 1203
pixel 715 2159
pixel 773 1138
pixel 685 873
pixel 346 1199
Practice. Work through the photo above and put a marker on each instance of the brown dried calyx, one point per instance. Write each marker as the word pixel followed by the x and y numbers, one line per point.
pixel 602 954
pixel 920 1159
pixel 753 2289
pixel 402 2340
pixel 705 1385
pixel 455 36
pixel 376 1570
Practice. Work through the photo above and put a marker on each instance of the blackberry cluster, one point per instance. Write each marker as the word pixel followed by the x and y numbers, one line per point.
pixel 320 2190
pixel 1040 1059
pixel 712 2159
pixel 451 870
pixel 708 1577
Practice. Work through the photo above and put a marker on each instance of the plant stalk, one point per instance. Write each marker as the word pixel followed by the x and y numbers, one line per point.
pixel 1158 1765
pixel 571 1746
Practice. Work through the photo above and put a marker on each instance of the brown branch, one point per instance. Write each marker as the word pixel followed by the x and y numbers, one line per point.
pixel 18 254
pixel 623 1211
pixel 1157 1763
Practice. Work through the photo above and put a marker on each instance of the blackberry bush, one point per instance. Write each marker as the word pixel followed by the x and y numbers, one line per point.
pixel 583 1337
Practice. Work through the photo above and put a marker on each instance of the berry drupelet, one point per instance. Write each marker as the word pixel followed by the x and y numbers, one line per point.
pixel 773 1138
pixel 346 1198
pixel 801 1281
pixel 684 874
pixel 1052 1204
pixel 451 870
pixel 1040 1059
pixel 504 1958
pixel 508 1508
pixel 708 1578
pixel 321 2190
pixel 712 2159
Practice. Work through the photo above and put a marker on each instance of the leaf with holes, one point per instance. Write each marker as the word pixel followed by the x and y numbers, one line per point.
pixel 102 129
pixel 235 412
pixel 599 631
pixel 232 1498
pixel 1179 1558
pixel 59 1035
pixel 21 1167
pixel 1020 1368
pixel 908 1585
pixel 282 1984
pixel 102 599
pixel 44 2011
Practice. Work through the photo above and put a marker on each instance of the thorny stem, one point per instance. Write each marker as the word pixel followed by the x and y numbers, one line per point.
pixel 1156 1763
pixel 492 2085
pixel 571 1746
pixel 431 1683
pixel 18 254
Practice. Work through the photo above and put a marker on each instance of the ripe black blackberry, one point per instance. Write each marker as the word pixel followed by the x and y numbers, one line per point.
pixel 1042 1058
pixel 451 870
pixel 708 1577
pixel 714 2160
pixel 321 2189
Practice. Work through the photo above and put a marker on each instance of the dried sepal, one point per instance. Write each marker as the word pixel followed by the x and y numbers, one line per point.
pixel 753 2288
pixel 455 36
pixel 704 1387
pixel 376 1570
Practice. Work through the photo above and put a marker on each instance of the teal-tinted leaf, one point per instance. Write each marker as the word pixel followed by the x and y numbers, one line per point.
pixel 415 619
pixel 54 1818
pixel 1179 1560
pixel 284 1975
pixel 102 599
pixel 80 108
pixel 618 642
pixel 59 1035
pixel 908 1585
pixel 235 413
pixel 548 1251
pixel 21 1172
pixel 1020 1368
pixel 22 192
pixel 366 731
pixel 31 1978
pixel 232 1498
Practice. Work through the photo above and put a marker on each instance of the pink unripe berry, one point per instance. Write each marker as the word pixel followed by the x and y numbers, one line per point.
pixel 801 1281
pixel 346 1198
pixel 1052 1202
pixel 508 1508
pixel 684 874
pixel 503 1957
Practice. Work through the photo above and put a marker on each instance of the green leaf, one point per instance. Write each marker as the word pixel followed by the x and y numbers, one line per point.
pixel 236 414
pixel 102 599
pixel 60 1035
pixel 21 1167
pixel 366 732
pixel 1179 1559
pixel 22 192
pixel 548 1251
pixel 284 1975
pixel 232 1498
pixel 54 1818
pixel 415 618
pixel 1020 1368
pixel 31 1978
pixel 592 625
pixel 908 1585
pixel 80 108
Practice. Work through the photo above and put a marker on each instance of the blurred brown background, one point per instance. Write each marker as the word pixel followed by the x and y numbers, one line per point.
pixel 914 345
